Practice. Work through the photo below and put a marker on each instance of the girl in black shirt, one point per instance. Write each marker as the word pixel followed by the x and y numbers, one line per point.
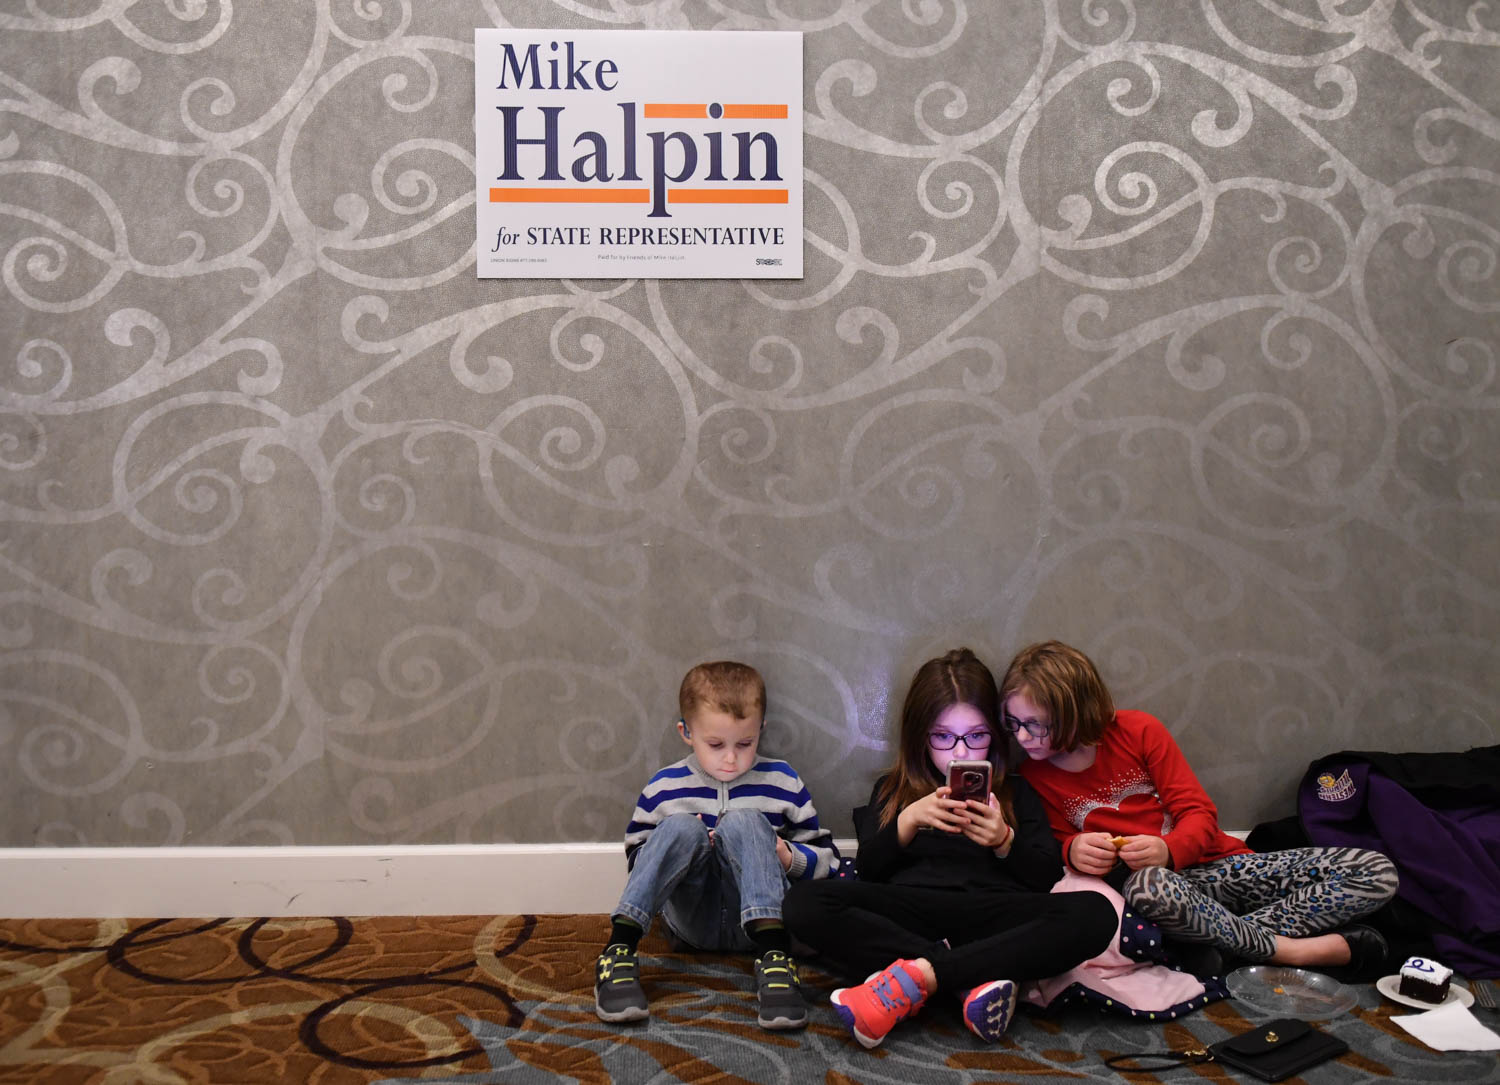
pixel 949 894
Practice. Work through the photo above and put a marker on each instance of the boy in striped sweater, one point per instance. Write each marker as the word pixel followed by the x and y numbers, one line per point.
pixel 713 843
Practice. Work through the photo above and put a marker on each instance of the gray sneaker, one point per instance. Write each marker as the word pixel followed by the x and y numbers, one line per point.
pixel 781 1005
pixel 618 995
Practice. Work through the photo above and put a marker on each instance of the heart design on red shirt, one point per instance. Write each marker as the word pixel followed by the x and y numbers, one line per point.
pixel 1136 813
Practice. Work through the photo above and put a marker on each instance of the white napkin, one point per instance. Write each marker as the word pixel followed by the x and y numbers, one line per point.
pixel 1450 1028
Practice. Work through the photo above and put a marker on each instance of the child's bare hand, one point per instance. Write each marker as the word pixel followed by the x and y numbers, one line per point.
pixel 784 853
pixel 1092 853
pixel 935 811
pixel 986 824
pixel 1144 851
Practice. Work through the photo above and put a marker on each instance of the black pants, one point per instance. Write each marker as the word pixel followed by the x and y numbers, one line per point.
pixel 861 927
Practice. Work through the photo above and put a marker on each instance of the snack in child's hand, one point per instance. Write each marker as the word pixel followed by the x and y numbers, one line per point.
pixel 1118 841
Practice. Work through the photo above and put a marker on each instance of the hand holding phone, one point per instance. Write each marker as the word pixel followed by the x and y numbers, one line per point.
pixel 969 780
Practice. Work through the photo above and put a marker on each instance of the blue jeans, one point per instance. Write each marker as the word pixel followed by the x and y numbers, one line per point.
pixel 707 890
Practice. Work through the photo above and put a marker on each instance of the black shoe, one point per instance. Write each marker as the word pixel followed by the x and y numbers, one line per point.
pixel 781 1005
pixel 1369 956
pixel 618 995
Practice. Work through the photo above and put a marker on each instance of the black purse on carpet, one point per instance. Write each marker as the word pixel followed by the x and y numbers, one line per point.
pixel 1273 1051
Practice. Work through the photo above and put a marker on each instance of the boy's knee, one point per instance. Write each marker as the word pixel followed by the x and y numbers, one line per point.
pixel 683 823
pixel 684 828
pixel 744 825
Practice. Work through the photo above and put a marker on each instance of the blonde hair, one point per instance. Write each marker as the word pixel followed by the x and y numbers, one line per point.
pixel 1061 679
pixel 723 686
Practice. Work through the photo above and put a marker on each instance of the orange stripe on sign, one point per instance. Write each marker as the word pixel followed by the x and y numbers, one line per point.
pixel 754 112
pixel 727 195
pixel 699 111
pixel 690 110
pixel 570 195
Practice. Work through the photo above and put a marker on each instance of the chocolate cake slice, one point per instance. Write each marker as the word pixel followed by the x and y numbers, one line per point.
pixel 1425 980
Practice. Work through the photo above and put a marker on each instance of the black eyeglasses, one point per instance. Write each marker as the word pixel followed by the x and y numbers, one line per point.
pixel 974 740
pixel 1034 728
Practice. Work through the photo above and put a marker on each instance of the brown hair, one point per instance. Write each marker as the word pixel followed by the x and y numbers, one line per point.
pixel 724 686
pixel 1066 683
pixel 955 678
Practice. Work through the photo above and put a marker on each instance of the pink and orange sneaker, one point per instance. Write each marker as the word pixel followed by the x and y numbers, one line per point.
pixel 988 1009
pixel 873 1008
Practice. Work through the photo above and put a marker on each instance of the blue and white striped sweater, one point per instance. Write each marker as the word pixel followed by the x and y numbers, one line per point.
pixel 771 787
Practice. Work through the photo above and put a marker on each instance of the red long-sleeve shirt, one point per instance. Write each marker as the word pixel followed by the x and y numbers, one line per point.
pixel 1139 785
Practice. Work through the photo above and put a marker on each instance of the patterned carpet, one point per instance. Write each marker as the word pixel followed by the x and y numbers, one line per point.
pixel 482 999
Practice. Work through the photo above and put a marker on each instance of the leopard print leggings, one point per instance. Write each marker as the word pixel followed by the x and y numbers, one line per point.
pixel 1241 902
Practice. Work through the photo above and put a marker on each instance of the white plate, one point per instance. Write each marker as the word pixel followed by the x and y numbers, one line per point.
pixel 1390 986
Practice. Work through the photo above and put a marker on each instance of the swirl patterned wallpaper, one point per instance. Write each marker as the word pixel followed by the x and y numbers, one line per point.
pixel 1169 328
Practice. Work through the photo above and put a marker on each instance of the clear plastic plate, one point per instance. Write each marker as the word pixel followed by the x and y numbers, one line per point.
pixel 1290 992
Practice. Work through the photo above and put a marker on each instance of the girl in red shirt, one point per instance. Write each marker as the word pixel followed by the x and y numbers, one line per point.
pixel 1125 806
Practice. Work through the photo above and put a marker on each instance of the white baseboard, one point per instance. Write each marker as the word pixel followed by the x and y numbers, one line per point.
pixel 497 879
pixel 436 879
pixel 490 879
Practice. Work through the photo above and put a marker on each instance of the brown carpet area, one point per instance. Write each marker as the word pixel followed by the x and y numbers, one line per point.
pixel 478 999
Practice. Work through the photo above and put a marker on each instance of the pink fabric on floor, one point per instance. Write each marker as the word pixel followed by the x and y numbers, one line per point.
pixel 1139 985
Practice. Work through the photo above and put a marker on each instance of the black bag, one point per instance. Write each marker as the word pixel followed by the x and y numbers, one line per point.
pixel 1272 1052
pixel 1278 1049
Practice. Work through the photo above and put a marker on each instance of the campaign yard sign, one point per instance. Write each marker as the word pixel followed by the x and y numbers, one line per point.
pixel 613 154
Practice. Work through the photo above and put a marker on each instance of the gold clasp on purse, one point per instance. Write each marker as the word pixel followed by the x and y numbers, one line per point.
pixel 1272 1038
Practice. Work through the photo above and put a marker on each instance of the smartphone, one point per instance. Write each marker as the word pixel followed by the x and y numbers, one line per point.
pixel 969 780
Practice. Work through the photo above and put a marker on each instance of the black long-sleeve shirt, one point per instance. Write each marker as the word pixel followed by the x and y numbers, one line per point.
pixel 939 860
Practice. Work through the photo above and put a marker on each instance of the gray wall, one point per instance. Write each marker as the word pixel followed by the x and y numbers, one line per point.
pixel 1167 328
